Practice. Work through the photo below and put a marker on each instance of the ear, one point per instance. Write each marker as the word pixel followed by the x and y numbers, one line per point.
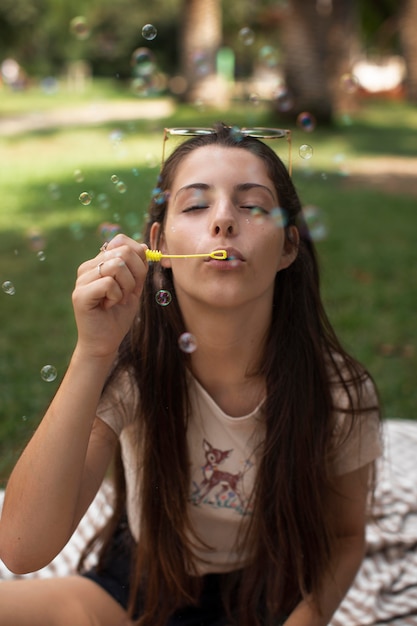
pixel 290 251
pixel 157 240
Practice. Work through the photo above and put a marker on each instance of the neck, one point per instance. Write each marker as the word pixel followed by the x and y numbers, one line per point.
pixel 230 346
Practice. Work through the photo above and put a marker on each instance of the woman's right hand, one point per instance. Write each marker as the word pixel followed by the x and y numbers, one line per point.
pixel 106 295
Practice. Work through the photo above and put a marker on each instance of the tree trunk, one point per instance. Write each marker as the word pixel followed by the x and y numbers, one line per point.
pixel 319 40
pixel 407 26
pixel 200 41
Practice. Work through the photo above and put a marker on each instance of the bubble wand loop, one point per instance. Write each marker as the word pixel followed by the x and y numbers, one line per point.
pixel 157 255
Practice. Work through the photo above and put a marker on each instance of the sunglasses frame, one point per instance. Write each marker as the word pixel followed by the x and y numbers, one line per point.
pixel 256 132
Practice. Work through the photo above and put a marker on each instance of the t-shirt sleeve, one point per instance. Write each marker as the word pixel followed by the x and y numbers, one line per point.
pixel 359 442
pixel 118 404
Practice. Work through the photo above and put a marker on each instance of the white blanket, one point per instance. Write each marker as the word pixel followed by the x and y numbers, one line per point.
pixel 385 589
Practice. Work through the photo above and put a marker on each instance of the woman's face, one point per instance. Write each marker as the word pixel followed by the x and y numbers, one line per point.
pixel 223 198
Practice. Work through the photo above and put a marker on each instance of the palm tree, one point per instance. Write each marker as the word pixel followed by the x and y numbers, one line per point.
pixel 407 27
pixel 319 39
pixel 201 37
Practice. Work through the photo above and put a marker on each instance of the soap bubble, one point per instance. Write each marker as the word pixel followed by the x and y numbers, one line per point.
pixel 257 214
pixel 85 198
pixel 8 288
pixel 36 239
pixel 305 151
pixel 79 27
pixel 284 100
pixel 121 187
pixel 149 32
pixel 103 200
pixel 78 176
pixel 246 36
pixel 187 343
pixel 163 297
pixel 108 230
pixel 279 217
pixel 41 255
pixel 268 56
pixel 48 373
pixel 114 179
pixel 349 83
pixel 236 133
pixel 306 121
pixel 315 222
pixel 54 191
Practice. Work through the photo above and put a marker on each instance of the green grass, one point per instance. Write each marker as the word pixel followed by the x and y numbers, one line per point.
pixel 369 257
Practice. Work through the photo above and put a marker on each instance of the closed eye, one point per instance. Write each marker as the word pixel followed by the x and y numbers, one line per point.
pixel 195 207
pixel 255 208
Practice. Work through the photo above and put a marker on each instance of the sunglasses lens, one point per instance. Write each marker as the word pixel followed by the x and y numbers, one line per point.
pixel 192 132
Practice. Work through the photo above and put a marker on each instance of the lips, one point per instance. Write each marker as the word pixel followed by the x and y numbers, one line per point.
pixel 234 255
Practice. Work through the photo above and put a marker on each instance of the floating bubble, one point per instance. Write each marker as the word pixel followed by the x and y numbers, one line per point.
pixel 279 217
pixel 114 179
pixel 236 133
pixel 79 27
pixel 85 198
pixel 305 151
pixel 315 222
pixel 284 100
pixel 258 214
pixel 143 58
pixel 36 239
pixel 41 255
pixel 349 83
pixel 163 297
pixel 8 288
pixel 158 196
pixel 78 176
pixel 149 32
pixel 306 121
pixel 48 373
pixel 135 171
pixel 201 62
pixel 254 98
pixel 268 56
pixel 54 191
pixel 77 231
pixel 103 200
pixel 116 136
pixel 246 36
pixel 108 230
pixel 187 343
pixel 121 187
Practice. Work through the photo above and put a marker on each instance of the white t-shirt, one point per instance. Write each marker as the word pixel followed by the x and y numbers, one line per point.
pixel 223 465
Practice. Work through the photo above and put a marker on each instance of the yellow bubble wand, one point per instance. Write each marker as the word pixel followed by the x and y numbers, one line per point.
pixel 157 255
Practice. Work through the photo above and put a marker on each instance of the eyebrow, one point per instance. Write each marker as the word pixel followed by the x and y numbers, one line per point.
pixel 239 188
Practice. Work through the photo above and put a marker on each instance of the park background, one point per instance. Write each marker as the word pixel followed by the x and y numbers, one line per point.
pixel 86 90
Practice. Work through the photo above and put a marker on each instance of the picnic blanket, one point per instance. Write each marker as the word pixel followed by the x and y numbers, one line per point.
pixel 385 589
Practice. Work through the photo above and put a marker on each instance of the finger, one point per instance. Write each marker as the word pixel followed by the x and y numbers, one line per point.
pixel 117 269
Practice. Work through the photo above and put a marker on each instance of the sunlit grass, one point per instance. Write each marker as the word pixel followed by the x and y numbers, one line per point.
pixel 369 257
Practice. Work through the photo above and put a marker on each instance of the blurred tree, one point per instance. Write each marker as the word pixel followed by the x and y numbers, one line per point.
pixel 201 36
pixel 407 28
pixel 320 40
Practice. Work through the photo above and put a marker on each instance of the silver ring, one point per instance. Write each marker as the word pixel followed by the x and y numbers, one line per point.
pixel 99 269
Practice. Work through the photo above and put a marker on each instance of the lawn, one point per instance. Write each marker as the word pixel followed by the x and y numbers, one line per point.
pixel 367 249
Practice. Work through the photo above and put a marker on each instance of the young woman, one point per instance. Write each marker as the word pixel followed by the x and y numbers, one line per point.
pixel 246 445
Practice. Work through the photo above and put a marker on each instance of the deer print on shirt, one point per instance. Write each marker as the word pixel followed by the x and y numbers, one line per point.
pixel 225 487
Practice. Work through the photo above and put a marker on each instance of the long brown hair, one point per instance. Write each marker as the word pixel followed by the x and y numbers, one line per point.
pixel 289 533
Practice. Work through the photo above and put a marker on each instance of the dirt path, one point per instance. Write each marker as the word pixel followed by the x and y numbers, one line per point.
pixel 391 174
pixel 94 113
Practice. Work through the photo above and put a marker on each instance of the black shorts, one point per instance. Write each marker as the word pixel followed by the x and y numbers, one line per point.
pixel 114 578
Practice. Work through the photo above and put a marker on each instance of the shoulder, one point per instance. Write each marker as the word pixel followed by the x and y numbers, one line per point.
pixel 119 402
pixel 356 436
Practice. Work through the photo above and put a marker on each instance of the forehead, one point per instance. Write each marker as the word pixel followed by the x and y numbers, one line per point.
pixel 221 165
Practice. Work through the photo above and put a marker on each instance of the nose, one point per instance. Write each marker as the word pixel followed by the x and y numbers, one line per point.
pixel 224 219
